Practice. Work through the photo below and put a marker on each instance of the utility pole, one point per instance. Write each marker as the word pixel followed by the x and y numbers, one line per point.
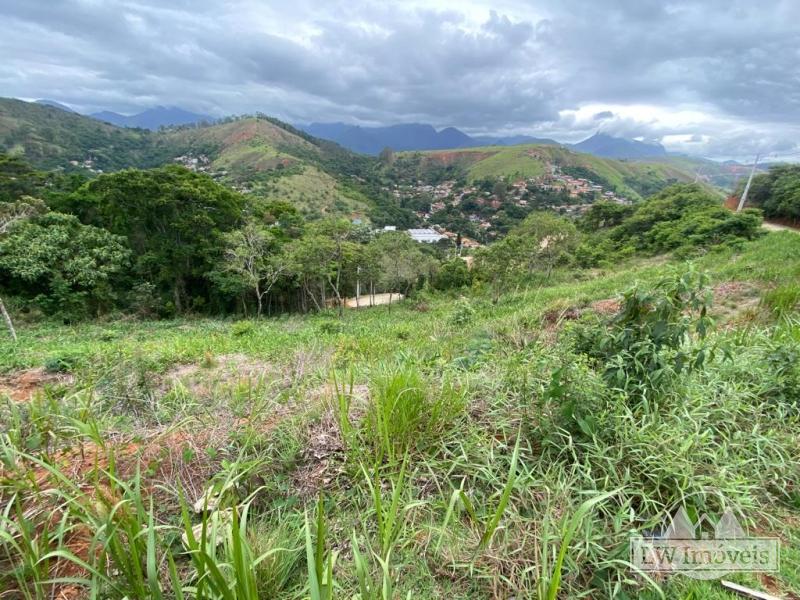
pixel 743 199
pixel 7 317
pixel 358 286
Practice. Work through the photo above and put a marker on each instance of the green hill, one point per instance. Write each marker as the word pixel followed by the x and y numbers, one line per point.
pixel 257 155
pixel 49 137
pixel 269 159
pixel 632 178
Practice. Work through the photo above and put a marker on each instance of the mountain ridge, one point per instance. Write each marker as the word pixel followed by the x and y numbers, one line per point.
pixel 409 136
pixel 152 118
pixel 275 160
pixel 607 146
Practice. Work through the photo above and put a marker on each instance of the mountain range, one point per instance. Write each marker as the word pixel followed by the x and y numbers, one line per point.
pixel 409 136
pixel 601 144
pixel 401 137
pixel 417 136
pixel 153 118
pixel 276 161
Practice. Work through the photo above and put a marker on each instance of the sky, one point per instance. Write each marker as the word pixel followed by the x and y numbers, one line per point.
pixel 715 78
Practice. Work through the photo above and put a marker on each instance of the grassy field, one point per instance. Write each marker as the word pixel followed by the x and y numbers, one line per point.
pixel 422 450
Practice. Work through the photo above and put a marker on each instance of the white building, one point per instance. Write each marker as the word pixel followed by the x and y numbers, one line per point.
pixel 428 236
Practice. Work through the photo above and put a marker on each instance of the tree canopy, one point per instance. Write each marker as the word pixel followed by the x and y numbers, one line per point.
pixel 173 221
pixel 777 193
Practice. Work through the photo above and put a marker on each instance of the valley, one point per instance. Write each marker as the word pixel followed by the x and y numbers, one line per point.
pixel 240 362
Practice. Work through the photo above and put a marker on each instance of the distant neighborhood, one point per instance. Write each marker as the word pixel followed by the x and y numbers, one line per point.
pixel 482 210
pixel 473 213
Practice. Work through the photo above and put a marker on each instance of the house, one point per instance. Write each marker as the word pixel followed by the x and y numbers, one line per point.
pixel 427 236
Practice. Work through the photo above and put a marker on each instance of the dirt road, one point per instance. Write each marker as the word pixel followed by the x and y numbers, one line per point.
pixel 377 299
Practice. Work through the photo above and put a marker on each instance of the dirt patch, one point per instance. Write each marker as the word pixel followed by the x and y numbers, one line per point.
pixel 774 588
pixel 201 379
pixel 323 455
pixel 735 302
pixel 185 457
pixel 556 315
pixel 607 307
pixel 24 385
pixel 323 458
pixel 375 300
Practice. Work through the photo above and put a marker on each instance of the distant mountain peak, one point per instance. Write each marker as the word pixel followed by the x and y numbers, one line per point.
pixel 153 118
pixel 609 146
pixel 408 136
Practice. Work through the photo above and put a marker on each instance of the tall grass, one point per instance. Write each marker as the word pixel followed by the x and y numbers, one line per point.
pixel 430 493
pixel 404 412
pixel 319 561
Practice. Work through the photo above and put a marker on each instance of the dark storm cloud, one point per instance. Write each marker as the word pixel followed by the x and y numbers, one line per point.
pixel 720 76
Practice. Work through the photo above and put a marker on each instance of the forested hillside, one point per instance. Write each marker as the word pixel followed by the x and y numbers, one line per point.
pixel 257 155
pixel 49 137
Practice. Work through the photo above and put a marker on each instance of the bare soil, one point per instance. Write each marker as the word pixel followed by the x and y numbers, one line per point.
pixel 24 385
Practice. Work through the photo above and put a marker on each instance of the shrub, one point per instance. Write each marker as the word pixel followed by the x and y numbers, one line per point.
pixel 453 274
pixel 648 342
pixel 684 216
pixel 405 412
pixel 462 313
pixel 242 328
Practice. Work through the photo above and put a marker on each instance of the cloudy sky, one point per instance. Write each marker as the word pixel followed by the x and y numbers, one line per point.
pixel 717 78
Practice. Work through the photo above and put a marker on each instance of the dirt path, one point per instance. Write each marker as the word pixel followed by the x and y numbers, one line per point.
pixel 778 227
pixel 377 300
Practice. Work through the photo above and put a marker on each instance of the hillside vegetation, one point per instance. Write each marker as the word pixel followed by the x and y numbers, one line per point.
pixel 49 137
pixel 436 449
pixel 777 193
pixel 265 157
pixel 257 155
pixel 631 178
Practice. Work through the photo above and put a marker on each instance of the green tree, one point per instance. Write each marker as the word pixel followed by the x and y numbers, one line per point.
pixel 401 262
pixel 253 261
pixel 17 178
pixel 174 221
pixel 387 156
pixel 537 245
pixel 603 215
pixel 321 258
pixel 777 193
pixel 68 267
pixel 452 274
pixel 11 214
pixel 500 190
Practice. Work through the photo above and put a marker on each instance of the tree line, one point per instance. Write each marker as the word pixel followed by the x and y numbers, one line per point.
pixel 168 241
